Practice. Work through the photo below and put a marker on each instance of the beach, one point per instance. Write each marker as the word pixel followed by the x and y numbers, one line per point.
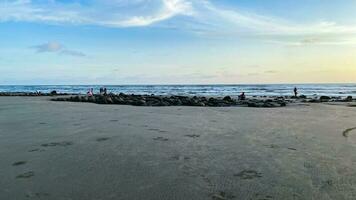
pixel 83 151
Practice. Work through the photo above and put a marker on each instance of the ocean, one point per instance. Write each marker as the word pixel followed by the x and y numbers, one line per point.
pixel 201 90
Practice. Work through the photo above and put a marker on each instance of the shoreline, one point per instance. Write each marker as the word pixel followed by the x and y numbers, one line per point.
pixel 179 100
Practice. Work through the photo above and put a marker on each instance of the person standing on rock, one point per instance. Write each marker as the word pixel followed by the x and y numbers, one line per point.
pixel 295 91
pixel 242 96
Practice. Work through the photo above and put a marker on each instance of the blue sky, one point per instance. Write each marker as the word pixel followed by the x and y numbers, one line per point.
pixel 177 41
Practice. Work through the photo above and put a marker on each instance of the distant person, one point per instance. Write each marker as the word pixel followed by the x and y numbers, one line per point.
pixel 242 96
pixel 295 91
pixel 101 91
pixel 105 91
pixel 90 92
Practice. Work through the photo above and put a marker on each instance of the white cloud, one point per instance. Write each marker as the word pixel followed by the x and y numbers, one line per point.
pixel 266 25
pixel 115 13
pixel 228 22
pixel 204 18
pixel 55 47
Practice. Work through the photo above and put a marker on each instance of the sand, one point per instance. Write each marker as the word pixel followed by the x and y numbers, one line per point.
pixel 79 151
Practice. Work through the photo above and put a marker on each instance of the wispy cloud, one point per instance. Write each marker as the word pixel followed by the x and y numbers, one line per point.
pixel 115 13
pixel 233 22
pixel 205 17
pixel 55 47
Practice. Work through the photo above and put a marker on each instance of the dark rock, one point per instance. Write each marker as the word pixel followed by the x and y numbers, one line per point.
pixel 109 100
pixel 302 96
pixel 118 100
pixel 348 99
pixel 140 102
pixel 283 104
pixel 91 99
pixel 53 92
pixel 148 100
pixel 227 98
pixel 101 99
pixel 324 98
pixel 314 101
pixel 84 99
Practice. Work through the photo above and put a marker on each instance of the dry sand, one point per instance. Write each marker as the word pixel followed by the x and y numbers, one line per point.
pixel 78 151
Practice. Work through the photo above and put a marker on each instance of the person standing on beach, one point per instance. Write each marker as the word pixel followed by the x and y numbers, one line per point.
pixel 295 91
pixel 242 96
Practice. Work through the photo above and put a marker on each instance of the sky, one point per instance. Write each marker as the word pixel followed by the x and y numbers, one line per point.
pixel 177 41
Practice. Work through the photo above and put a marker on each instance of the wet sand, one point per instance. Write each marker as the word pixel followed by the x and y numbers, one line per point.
pixel 79 151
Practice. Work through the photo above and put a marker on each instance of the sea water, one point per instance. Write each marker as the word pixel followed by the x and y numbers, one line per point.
pixel 199 90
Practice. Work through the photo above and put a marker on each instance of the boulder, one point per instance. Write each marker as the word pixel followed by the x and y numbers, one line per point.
pixel 348 99
pixel 109 100
pixel 53 92
pixel 324 98
pixel 139 102
pixel 302 96
pixel 227 98
pixel 314 101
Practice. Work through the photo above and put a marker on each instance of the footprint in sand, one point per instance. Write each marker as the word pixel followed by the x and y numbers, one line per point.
pixel 156 129
pixel 192 136
pixel 221 195
pixel 248 174
pixel 102 139
pixel 153 129
pixel 26 175
pixel 160 139
pixel 347 131
pixel 114 120
pixel 37 195
pixel 273 146
pixel 19 163
pixel 180 158
pixel 42 123
pixel 263 197
pixel 35 150
pixel 54 144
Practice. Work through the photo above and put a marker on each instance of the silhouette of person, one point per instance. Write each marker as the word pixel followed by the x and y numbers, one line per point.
pixel 242 96
pixel 295 91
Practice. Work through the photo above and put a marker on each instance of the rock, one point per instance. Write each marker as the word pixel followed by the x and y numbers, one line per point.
pixel 314 101
pixel 118 100
pixel 227 98
pixel 75 99
pixel 283 104
pixel 302 96
pixel 84 99
pixel 139 102
pixel 201 104
pixel 91 99
pixel 324 98
pixel 101 99
pixel 254 104
pixel 348 99
pixel 148 100
pixel 109 100
pixel 53 92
